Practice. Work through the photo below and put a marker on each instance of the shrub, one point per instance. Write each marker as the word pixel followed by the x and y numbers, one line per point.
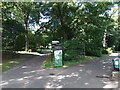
pixel 72 50
pixel 109 50
pixel 93 50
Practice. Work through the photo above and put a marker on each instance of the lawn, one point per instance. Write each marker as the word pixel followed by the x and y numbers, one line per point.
pixel 10 60
pixel 10 64
pixel 50 64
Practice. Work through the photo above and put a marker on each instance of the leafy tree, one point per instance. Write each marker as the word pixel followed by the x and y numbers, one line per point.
pixel 89 23
pixel 60 18
pixel 84 28
pixel 12 35
pixel 23 12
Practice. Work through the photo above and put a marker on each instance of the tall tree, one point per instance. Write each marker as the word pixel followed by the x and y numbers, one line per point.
pixel 90 24
pixel 23 12
pixel 60 14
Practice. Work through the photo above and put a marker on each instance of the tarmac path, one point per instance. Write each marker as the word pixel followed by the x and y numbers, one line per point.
pixel 32 75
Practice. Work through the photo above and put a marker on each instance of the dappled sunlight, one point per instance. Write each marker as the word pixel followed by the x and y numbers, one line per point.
pixel 40 77
pixel 13 62
pixel 31 53
pixel 53 85
pixel 81 65
pixel 3 83
pixel 23 80
pixel 80 70
pixel 115 54
pixel 110 84
pixel 11 79
pixel 65 76
pixel 108 61
pixel 86 83
pixel 20 79
pixel 25 67
pixel 104 62
pixel 56 81
pixel 34 71
pixel 89 71
pixel 60 78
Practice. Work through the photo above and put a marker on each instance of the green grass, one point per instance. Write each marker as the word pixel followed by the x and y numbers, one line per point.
pixel 105 54
pixel 10 60
pixel 50 64
pixel 41 50
pixel 9 64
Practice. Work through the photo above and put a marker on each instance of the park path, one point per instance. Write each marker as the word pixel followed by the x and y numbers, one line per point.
pixel 32 75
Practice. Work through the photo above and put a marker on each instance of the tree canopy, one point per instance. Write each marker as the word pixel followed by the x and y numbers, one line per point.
pixel 83 28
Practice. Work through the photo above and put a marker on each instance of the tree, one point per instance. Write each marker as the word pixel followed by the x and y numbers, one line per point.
pixel 89 23
pixel 24 13
pixel 60 14
pixel 12 35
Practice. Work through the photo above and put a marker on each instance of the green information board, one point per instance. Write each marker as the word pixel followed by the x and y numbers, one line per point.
pixel 58 57
pixel 117 62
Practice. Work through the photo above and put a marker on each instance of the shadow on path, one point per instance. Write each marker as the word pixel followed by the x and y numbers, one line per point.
pixel 32 75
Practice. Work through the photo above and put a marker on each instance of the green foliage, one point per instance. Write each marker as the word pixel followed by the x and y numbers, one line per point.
pixel 49 64
pixel 26 13
pixel 9 60
pixel 109 50
pixel 41 50
pixel 94 51
pixel 85 28
pixel 12 59
pixel 12 35
pixel 90 27
pixel 72 50
pixel 94 48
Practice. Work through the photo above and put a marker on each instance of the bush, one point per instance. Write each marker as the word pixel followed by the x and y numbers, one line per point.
pixel 109 50
pixel 93 50
pixel 72 50
pixel 41 50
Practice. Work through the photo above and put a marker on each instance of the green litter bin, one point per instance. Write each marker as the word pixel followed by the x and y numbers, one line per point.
pixel 116 64
pixel 58 56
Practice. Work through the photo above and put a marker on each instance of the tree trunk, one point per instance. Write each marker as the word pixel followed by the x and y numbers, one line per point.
pixel 104 38
pixel 26 34
pixel 65 35
pixel 84 44
pixel 26 42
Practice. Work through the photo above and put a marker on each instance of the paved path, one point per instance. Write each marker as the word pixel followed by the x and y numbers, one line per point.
pixel 32 75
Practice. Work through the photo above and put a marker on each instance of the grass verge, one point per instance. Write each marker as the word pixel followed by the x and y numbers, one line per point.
pixel 9 63
pixel 50 64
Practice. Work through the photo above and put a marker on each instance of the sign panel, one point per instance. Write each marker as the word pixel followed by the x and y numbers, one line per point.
pixel 58 57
